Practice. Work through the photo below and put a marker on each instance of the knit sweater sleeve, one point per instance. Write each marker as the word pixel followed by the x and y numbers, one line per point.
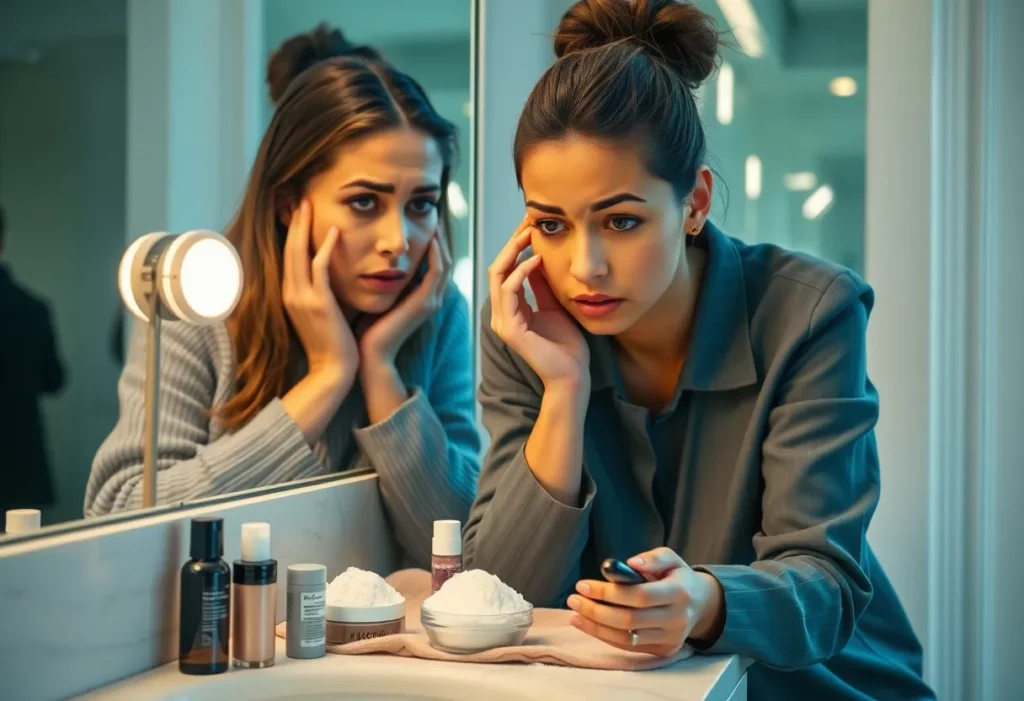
pixel 269 449
pixel 427 453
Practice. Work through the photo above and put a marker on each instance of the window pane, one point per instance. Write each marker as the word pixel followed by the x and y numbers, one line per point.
pixel 785 117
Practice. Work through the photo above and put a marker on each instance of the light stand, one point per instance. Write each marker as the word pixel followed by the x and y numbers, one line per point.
pixel 195 278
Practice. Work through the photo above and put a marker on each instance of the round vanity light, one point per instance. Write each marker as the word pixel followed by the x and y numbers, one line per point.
pixel 197 276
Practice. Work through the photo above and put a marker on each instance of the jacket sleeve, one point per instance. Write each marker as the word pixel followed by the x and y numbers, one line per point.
pixel 799 602
pixel 516 529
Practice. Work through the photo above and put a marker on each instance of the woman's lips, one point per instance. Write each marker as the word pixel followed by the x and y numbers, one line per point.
pixel 384 280
pixel 595 306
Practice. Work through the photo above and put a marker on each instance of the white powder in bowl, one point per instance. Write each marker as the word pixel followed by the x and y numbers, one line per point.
pixel 356 588
pixel 476 593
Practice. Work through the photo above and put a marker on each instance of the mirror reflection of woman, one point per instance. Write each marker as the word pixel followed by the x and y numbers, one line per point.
pixel 349 347
pixel 678 399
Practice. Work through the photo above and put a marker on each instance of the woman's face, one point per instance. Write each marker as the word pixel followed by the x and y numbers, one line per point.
pixel 381 194
pixel 611 236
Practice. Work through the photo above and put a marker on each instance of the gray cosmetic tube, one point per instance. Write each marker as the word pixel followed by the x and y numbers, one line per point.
pixel 307 611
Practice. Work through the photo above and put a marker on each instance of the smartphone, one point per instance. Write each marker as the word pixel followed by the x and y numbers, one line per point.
pixel 619 572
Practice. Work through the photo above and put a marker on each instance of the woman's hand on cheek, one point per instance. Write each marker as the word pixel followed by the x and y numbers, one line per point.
pixel 546 338
pixel 677 603
pixel 380 343
pixel 326 337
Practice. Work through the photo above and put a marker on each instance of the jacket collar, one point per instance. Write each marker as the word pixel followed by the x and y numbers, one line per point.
pixel 720 356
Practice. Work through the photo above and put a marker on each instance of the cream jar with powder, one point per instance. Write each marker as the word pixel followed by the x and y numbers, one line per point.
pixel 347 624
pixel 361 606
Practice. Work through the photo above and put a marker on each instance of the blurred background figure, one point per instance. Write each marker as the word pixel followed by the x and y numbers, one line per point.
pixel 30 367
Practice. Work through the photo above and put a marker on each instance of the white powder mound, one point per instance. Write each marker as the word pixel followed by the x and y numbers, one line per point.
pixel 356 588
pixel 476 593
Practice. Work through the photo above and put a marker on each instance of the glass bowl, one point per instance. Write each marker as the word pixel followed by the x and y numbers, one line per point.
pixel 464 634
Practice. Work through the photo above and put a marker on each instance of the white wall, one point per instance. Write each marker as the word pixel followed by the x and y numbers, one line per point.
pixel 1000 599
pixel 62 180
pixel 515 50
pixel 945 173
pixel 193 111
pixel 897 266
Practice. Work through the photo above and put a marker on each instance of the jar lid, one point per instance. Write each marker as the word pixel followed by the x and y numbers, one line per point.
pixel 307 575
pixel 365 614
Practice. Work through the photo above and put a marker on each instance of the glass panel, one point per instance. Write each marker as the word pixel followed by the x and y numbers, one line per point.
pixel 785 119
pixel 122 117
pixel 428 40
pixel 63 82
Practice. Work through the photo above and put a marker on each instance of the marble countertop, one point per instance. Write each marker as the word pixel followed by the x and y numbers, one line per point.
pixel 699 677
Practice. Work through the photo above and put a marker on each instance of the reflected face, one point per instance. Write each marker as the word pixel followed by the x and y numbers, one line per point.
pixel 382 194
pixel 610 234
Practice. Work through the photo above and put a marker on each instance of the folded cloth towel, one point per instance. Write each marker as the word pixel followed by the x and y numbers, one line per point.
pixel 552 640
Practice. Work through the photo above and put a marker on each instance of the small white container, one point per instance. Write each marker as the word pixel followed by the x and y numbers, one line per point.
pixel 22 521
pixel 463 634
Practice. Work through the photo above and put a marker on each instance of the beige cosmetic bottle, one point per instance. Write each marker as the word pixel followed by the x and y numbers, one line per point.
pixel 254 599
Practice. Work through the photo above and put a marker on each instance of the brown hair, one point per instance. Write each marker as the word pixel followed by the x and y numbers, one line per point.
pixel 327 93
pixel 626 69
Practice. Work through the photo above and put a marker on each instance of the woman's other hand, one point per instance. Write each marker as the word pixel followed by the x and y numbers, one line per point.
pixel 546 338
pixel 677 603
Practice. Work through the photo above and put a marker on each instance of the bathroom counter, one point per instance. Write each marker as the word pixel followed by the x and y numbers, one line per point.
pixel 383 677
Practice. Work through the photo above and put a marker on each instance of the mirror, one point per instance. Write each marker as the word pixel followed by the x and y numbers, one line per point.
pixel 123 117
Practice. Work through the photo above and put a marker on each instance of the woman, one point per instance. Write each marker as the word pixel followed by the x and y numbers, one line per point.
pixel 348 348
pixel 677 399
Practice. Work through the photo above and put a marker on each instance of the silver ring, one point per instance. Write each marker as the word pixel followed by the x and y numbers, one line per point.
pixel 634 638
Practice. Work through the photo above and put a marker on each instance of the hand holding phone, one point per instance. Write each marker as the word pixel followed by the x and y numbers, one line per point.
pixel 674 604
pixel 619 572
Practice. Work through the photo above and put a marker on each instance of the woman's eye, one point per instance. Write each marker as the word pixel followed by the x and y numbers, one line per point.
pixel 622 223
pixel 422 207
pixel 550 227
pixel 363 203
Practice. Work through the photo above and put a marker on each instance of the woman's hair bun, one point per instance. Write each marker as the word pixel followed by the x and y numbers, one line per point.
pixel 678 33
pixel 301 51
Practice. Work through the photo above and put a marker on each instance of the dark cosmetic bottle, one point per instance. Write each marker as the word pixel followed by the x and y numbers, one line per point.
pixel 205 602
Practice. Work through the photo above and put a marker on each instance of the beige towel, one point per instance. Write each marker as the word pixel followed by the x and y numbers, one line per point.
pixel 551 640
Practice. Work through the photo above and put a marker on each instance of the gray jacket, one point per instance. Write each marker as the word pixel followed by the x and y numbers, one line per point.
pixel 762 470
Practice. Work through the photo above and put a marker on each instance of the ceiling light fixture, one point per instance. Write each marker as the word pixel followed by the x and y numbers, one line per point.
pixel 800 182
pixel 745 26
pixel 724 93
pixel 752 181
pixel 843 86
pixel 818 203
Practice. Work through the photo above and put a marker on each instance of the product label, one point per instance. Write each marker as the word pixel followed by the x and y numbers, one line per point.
pixel 315 642
pixel 312 606
pixel 443 569
pixel 214 610
pixel 205 602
